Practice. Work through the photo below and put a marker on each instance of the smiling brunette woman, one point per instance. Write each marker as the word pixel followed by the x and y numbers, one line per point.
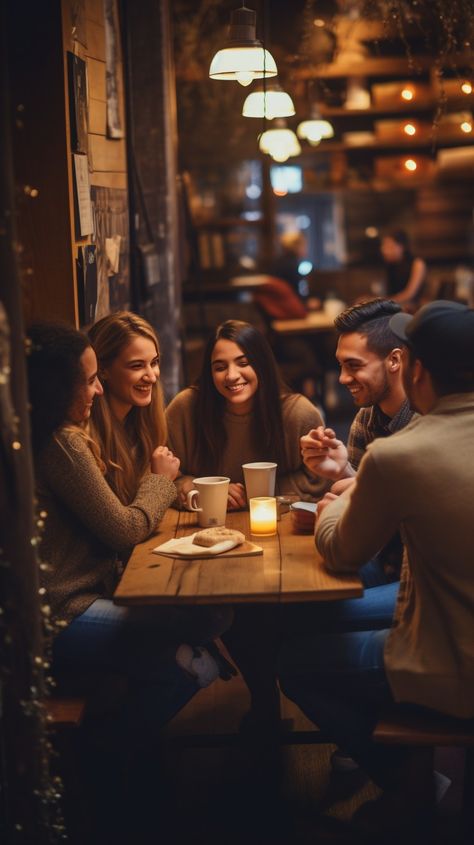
pixel 240 411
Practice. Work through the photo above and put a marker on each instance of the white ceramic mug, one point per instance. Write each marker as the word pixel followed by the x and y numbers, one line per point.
pixel 259 479
pixel 211 492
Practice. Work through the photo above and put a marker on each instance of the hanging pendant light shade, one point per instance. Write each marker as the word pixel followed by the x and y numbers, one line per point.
pixel 280 143
pixel 270 102
pixel 315 129
pixel 243 58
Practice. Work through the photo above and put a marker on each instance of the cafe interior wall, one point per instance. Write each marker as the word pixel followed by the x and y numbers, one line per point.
pixel 218 147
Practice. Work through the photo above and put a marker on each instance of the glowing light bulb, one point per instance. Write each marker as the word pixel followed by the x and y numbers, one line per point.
pixel 466 126
pixel 409 129
pixel 410 164
pixel 245 77
pixel 466 87
pixel 407 94
pixel 319 22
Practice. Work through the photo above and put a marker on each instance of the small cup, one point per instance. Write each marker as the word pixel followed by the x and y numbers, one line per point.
pixel 303 517
pixel 263 516
pixel 211 492
pixel 259 479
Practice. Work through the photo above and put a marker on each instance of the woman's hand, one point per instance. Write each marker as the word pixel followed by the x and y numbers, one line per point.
pixel 236 497
pixel 163 462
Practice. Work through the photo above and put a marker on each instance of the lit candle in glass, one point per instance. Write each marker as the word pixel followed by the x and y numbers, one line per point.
pixel 263 516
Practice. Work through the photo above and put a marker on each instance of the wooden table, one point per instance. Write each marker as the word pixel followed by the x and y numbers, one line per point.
pixel 315 321
pixel 289 570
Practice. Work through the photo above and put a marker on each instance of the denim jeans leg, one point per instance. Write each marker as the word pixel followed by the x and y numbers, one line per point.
pixel 339 682
pixel 128 641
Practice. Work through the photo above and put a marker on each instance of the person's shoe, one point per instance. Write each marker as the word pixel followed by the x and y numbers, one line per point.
pixel 441 785
pixel 341 762
pixel 226 669
pixel 197 662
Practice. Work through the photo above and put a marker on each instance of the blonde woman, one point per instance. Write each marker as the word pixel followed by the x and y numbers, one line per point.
pixel 128 423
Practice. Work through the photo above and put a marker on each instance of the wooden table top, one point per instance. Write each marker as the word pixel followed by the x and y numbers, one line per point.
pixel 289 570
pixel 315 321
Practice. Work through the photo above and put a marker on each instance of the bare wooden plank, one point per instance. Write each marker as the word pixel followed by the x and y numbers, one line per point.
pixel 97 117
pixel 95 40
pixel 95 11
pixel 304 576
pixel 109 180
pixel 106 154
pixel 96 79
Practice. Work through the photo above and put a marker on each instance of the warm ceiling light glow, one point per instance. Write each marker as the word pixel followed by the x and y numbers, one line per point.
pixel 407 94
pixel 410 164
pixel 372 232
pixel 271 103
pixel 279 143
pixel 466 126
pixel 243 58
pixel 315 129
pixel 466 87
pixel 319 22
pixel 409 129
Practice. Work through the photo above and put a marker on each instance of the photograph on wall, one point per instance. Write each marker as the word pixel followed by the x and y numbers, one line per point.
pixel 113 71
pixel 77 73
pixel 87 283
pixel 110 215
pixel 83 210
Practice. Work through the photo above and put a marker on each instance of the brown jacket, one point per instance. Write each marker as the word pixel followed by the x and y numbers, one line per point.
pixel 421 480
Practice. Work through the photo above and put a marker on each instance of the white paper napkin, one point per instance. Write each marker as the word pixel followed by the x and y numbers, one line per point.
pixel 185 547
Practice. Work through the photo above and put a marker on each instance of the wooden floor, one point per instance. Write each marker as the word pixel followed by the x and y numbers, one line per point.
pixel 209 784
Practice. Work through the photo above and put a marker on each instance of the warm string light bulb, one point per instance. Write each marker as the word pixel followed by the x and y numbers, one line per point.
pixel 407 94
pixel 409 129
pixel 410 164
pixel 466 87
pixel 466 125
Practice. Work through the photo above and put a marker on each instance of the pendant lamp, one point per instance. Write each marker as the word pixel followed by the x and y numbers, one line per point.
pixel 280 143
pixel 270 102
pixel 315 129
pixel 243 58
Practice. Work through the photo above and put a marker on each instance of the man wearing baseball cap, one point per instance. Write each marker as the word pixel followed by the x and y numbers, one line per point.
pixel 421 481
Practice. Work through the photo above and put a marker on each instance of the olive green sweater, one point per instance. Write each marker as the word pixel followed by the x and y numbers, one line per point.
pixel 87 529
pixel 299 416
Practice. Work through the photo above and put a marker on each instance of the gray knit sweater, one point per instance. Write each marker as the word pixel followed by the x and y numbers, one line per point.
pixel 87 529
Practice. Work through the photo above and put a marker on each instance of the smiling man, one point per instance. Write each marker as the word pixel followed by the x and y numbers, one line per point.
pixel 369 355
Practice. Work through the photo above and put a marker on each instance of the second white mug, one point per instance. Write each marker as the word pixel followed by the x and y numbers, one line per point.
pixel 211 494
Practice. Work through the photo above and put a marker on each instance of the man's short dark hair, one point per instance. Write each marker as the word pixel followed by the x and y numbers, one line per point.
pixel 371 319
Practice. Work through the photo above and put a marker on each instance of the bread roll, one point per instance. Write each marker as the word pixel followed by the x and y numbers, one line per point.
pixel 210 536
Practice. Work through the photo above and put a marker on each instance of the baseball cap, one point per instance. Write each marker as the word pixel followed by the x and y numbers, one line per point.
pixel 441 334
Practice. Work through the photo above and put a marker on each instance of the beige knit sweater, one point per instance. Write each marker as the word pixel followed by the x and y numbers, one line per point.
pixel 299 416
pixel 87 529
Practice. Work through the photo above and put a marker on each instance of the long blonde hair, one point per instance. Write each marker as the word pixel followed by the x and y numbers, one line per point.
pixel 126 447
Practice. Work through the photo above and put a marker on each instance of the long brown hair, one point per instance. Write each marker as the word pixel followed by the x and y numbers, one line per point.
pixel 126 447
pixel 267 407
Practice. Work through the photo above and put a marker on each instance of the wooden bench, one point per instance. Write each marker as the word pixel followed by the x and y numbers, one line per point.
pixel 430 730
pixel 65 712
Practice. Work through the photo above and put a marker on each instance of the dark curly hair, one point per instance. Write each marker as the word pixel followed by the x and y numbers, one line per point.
pixel 54 374
pixel 371 319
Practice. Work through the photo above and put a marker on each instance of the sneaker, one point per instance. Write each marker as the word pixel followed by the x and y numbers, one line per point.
pixel 197 662
pixel 441 785
pixel 341 762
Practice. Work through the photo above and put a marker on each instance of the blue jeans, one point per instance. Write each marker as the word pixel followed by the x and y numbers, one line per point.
pixel 140 644
pixel 339 682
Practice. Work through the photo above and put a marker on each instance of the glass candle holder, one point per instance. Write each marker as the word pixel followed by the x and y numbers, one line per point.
pixel 263 516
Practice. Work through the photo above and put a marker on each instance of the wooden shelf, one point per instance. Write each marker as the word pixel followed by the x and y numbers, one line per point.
pixel 380 67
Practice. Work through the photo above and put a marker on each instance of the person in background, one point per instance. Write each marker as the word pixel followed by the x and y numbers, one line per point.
pixel 240 411
pixel 426 658
pixel 406 274
pixel 87 531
